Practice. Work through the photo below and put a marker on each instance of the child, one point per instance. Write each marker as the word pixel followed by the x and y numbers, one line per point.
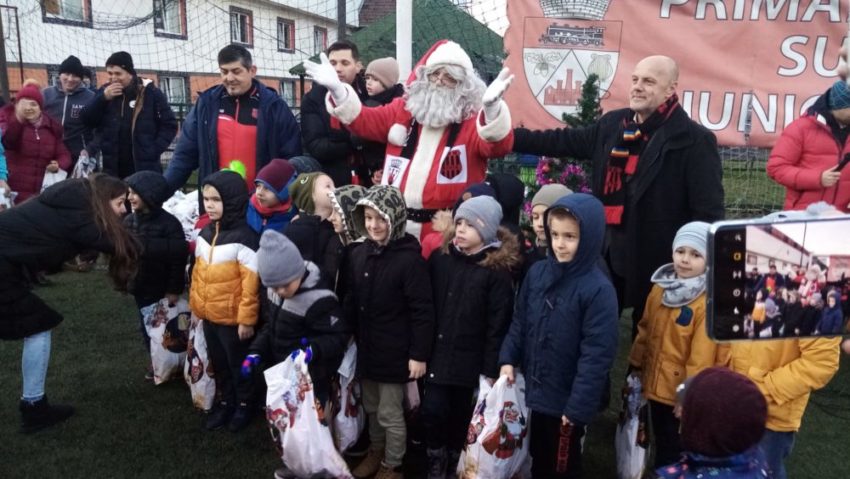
pixel 831 318
pixel 383 87
pixel 297 310
pixel 564 335
pixel 310 230
pixel 543 199
pixel 224 293
pixel 793 313
pixel 343 200
pixel 162 263
pixel 723 417
pixel 270 206
pixel 672 343
pixel 473 301
pixel 389 296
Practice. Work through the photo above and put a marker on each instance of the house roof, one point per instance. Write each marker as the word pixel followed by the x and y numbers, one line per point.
pixel 433 20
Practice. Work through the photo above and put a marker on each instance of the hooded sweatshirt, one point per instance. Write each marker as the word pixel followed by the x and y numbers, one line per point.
pixel 164 247
pixel 564 331
pixel 388 293
pixel 66 108
pixel 831 318
pixel 225 282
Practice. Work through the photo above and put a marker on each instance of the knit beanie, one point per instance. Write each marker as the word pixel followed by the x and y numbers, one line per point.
pixel 385 70
pixel 278 260
pixel 694 235
pixel 839 95
pixel 301 192
pixel 723 413
pixel 305 164
pixel 277 176
pixel 123 60
pixel 482 213
pixel 73 66
pixel 549 194
pixel 31 92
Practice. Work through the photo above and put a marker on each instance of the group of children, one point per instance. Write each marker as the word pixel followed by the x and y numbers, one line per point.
pixel 337 265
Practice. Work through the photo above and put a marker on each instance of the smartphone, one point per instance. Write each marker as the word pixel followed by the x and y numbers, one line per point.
pixel 843 162
pixel 778 278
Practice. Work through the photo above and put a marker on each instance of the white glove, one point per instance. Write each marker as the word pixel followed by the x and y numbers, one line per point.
pixel 324 74
pixel 493 96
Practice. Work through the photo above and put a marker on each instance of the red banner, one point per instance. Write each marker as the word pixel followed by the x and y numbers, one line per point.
pixel 747 67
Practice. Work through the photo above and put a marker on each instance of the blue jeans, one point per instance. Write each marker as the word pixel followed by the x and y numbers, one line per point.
pixel 777 446
pixel 34 361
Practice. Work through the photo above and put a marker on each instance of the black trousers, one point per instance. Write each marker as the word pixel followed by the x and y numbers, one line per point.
pixel 446 411
pixel 226 355
pixel 141 302
pixel 555 450
pixel 665 429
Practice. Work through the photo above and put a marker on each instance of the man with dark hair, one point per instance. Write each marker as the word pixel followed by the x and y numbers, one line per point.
pixel 241 124
pixel 135 124
pixel 324 137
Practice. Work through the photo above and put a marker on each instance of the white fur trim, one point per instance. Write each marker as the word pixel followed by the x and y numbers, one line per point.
pixel 348 110
pixel 450 53
pixel 498 128
pixel 421 165
pixel 397 134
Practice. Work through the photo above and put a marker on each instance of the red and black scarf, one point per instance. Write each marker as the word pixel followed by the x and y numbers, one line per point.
pixel 624 157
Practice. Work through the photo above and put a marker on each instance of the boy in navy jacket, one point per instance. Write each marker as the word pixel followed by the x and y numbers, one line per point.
pixel 564 335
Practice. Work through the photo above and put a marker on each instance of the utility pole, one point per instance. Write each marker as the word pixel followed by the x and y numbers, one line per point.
pixel 341 33
pixel 404 37
pixel 4 72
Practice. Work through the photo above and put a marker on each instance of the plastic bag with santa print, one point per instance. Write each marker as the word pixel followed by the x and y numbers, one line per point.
pixel 350 420
pixel 197 370
pixel 85 166
pixel 497 442
pixel 297 421
pixel 168 328
pixel 630 440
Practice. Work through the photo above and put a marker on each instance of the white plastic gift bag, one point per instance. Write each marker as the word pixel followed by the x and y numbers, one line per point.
pixel 350 420
pixel 497 442
pixel 168 328
pixel 630 440
pixel 197 370
pixel 51 179
pixel 85 166
pixel 298 423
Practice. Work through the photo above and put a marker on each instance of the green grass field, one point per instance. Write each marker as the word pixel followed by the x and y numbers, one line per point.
pixel 126 427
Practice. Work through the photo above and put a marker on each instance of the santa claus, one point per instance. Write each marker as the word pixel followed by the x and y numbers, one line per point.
pixel 439 135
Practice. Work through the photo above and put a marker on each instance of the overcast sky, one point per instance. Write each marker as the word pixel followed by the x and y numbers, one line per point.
pixel 822 237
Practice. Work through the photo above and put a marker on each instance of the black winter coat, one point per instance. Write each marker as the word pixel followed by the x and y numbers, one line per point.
pixel 679 179
pixel 313 313
pixel 389 296
pixel 162 264
pixel 39 235
pixel 331 145
pixel 313 237
pixel 473 305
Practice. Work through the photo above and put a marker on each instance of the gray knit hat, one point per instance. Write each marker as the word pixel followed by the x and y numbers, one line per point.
pixel 549 194
pixel 694 235
pixel 385 70
pixel 484 214
pixel 278 260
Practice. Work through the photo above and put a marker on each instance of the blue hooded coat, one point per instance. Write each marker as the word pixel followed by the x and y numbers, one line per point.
pixel 831 319
pixel 564 331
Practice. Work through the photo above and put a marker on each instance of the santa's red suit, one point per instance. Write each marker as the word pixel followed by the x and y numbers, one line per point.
pixel 434 176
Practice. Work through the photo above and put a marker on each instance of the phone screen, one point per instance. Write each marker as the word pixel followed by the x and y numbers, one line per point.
pixel 786 279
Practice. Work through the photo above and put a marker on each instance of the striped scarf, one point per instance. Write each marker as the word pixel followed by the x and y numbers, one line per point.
pixel 624 157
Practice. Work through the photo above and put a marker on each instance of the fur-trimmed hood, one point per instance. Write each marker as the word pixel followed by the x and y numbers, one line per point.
pixel 506 257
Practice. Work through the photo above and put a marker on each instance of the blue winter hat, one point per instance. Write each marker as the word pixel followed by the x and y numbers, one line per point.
pixel 839 96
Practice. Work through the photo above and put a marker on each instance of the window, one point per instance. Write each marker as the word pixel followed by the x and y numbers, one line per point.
pixel 285 35
pixel 169 18
pixel 241 26
pixel 69 12
pixel 320 39
pixel 287 92
pixel 174 88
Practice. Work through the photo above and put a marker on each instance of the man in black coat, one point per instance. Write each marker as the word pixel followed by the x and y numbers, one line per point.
pixel 326 139
pixel 653 168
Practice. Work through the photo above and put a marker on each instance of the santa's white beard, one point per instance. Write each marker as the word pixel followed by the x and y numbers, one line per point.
pixel 437 106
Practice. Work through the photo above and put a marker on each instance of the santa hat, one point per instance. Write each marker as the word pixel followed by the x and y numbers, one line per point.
pixel 443 52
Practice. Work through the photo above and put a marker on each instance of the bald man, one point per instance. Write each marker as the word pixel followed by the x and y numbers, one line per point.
pixel 653 168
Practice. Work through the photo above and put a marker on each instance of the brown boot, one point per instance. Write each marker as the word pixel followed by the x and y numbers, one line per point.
pixel 387 472
pixel 369 465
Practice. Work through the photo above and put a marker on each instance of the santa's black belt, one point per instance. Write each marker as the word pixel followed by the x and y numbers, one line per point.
pixel 420 215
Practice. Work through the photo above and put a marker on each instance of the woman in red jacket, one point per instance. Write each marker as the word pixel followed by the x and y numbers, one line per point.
pixel 33 143
pixel 807 158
